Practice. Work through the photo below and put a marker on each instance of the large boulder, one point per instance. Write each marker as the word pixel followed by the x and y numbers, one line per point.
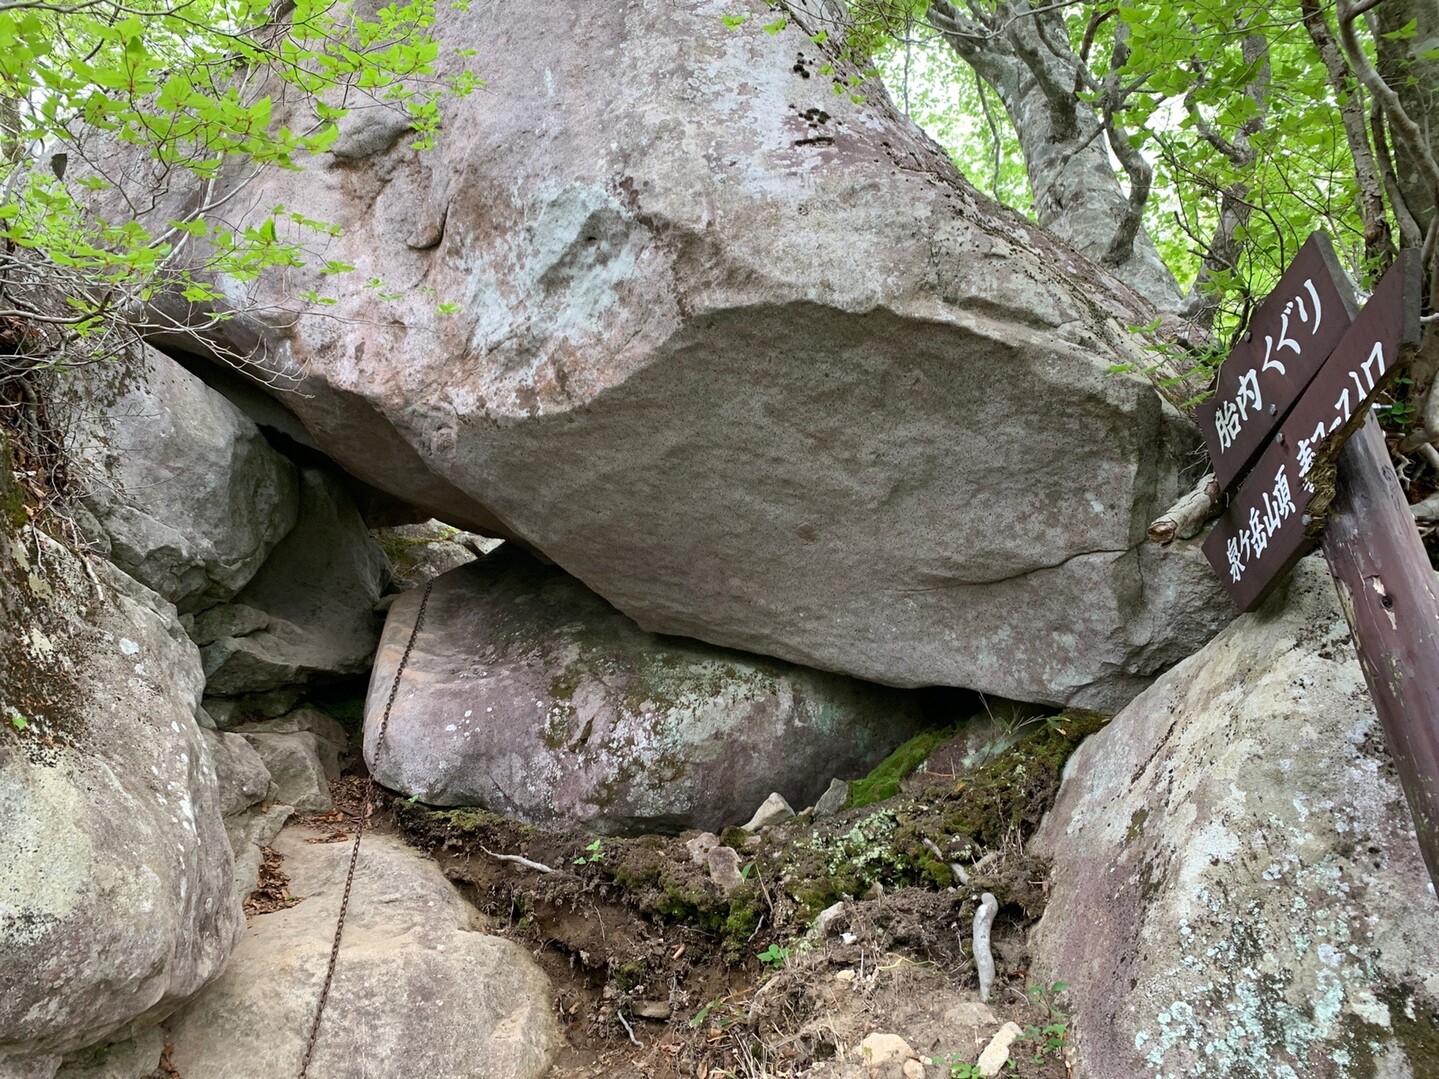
pixel 419 989
pixel 747 356
pixel 188 496
pixel 310 610
pixel 1237 886
pixel 116 899
pixel 527 693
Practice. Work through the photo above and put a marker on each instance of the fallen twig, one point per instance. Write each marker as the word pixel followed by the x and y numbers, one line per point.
pixel 1184 519
pixel 628 1029
pixel 539 867
pixel 1428 510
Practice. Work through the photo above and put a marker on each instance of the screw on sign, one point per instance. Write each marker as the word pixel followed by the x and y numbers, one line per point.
pixel 1275 518
pixel 1289 337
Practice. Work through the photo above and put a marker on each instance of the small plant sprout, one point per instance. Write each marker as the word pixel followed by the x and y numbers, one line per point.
pixel 774 956
pixel 594 853
pixel 1053 1035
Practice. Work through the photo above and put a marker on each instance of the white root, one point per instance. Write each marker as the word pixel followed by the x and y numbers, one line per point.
pixel 1185 518
pixel 537 866
pixel 954 867
pixel 983 957
pixel 628 1029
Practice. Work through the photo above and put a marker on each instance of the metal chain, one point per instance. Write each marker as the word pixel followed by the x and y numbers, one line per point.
pixel 365 812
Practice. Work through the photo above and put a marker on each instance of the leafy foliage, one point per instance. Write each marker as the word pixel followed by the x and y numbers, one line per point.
pixel 113 107
pixel 1231 105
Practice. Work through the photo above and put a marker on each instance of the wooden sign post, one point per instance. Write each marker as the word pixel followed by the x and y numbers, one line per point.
pixel 1386 587
pixel 1311 473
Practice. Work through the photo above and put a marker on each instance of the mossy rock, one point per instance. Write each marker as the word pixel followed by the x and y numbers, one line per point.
pixel 884 781
pixel 12 495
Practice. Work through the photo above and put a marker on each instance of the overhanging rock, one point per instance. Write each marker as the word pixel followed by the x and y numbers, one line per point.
pixel 746 356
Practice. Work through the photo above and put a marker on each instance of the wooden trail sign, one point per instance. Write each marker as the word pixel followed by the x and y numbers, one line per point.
pixel 1287 341
pixel 1311 479
pixel 1276 517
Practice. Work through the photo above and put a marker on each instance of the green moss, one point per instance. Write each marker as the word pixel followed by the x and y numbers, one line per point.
pixel 12 495
pixel 1418 1035
pixel 1011 793
pixel 1136 825
pixel 408 550
pixel 884 781
pixel 628 974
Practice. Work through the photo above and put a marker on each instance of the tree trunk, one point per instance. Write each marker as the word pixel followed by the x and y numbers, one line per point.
pixel 1416 81
pixel 1077 194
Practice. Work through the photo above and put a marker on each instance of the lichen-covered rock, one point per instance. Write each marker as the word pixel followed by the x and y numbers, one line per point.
pixel 309 611
pixel 421 552
pixel 1237 887
pixel 528 694
pixel 748 357
pixel 189 495
pixel 116 899
pixel 418 990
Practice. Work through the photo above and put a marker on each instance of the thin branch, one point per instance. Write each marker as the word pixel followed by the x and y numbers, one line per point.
pixel 983 957
pixel 1377 242
pixel 1187 516
pixel 1410 234
pixel 1405 130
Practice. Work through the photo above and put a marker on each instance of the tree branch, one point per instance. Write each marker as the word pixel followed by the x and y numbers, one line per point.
pixel 1378 245
pixel 1141 173
pixel 1405 130
pixel 1187 516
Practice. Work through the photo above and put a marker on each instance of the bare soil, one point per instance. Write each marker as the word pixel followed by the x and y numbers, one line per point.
pixel 659 973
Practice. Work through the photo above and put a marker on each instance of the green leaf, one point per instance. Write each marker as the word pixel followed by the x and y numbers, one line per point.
pixel 734 22
pixel 1409 30
pixel 775 27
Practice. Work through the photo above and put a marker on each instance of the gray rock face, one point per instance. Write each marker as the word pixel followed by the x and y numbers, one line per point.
pixel 244 785
pixel 297 777
pixel 1237 888
pixel 528 694
pixel 309 610
pixel 328 741
pixel 418 990
pixel 134 1058
pixel 748 358
pixel 190 496
pixel 116 899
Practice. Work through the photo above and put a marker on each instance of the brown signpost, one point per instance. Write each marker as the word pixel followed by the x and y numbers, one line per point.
pixel 1288 338
pixel 1273 521
pixel 1310 477
pixel 1389 596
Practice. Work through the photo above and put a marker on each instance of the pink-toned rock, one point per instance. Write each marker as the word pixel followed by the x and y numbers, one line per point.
pixel 1237 888
pixel 528 694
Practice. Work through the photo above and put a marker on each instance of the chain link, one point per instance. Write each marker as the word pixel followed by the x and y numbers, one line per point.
pixel 365 812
